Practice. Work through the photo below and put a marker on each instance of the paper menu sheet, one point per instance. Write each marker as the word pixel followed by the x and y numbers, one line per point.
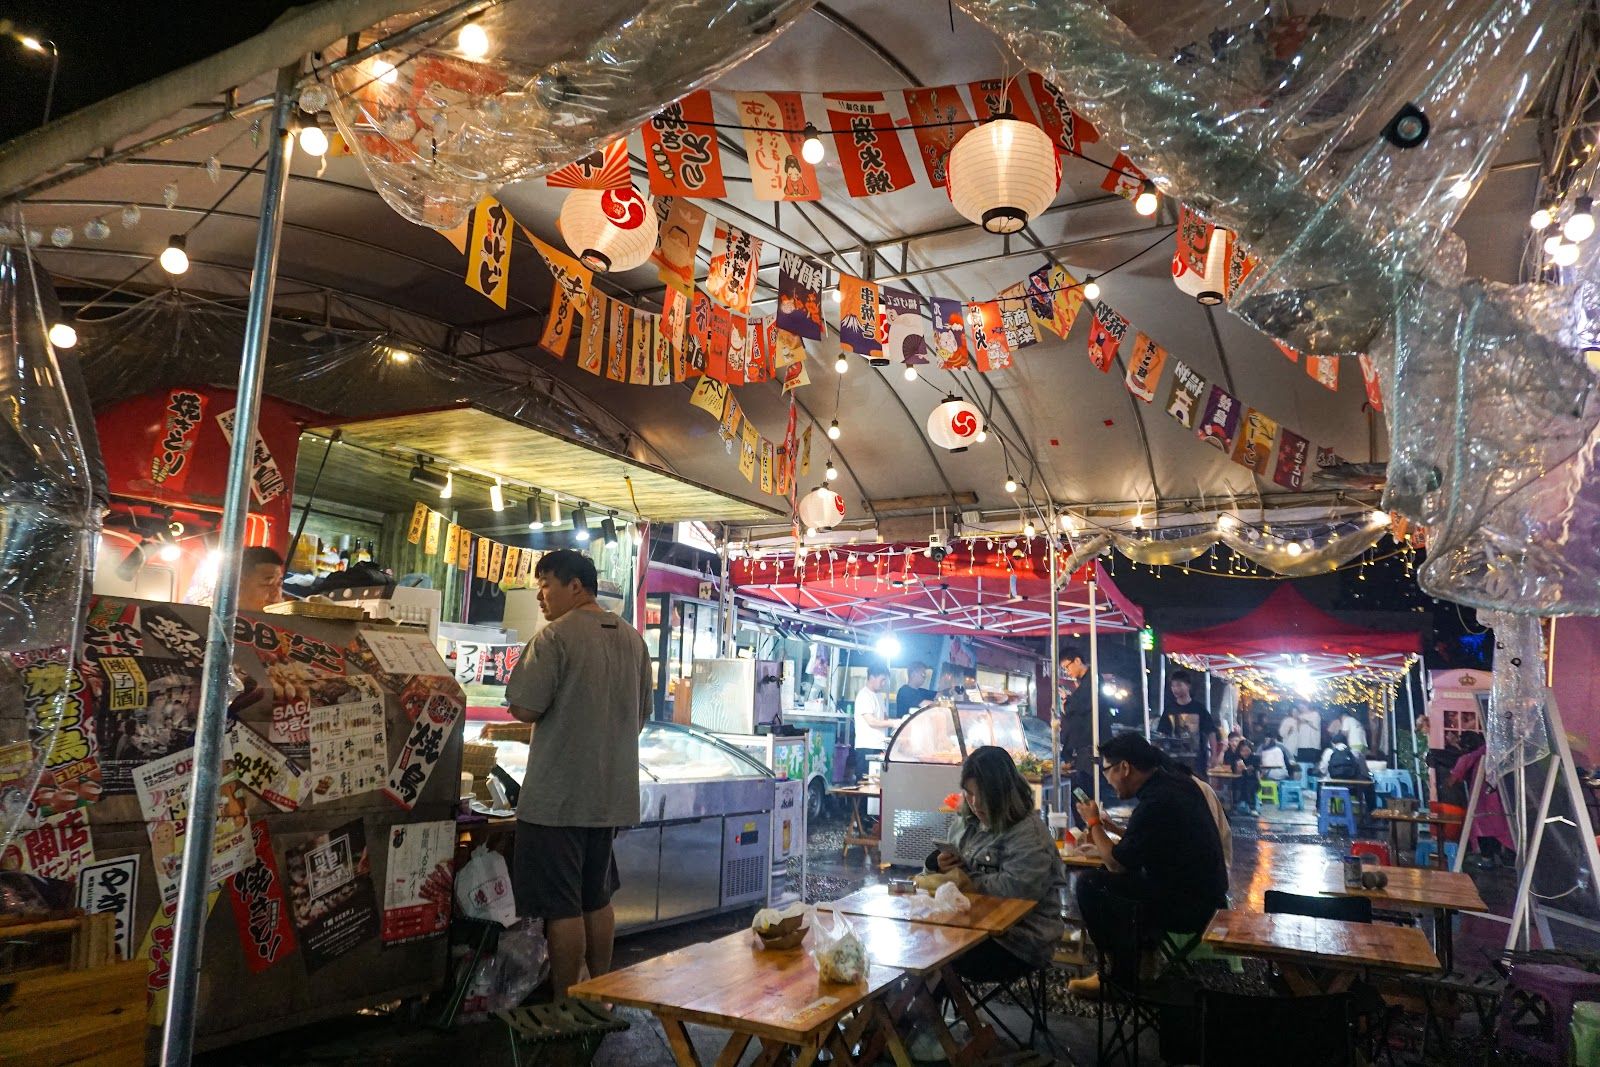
pixel 405 653
pixel 349 748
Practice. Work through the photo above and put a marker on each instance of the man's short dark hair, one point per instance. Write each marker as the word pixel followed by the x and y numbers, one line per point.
pixel 877 670
pixel 1337 739
pixel 255 557
pixel 917 665
pixel 1070 653
pixel 1181 675
pixel 567 565
pixel 1131 747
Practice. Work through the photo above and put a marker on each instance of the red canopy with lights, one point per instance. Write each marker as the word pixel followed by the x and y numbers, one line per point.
pixel 976 588
pixel 1287 624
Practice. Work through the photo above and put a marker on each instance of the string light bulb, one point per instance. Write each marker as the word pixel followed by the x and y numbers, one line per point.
pixel 1379 517
pixel 1541 218
pixel 175 257
pixel 1091 289
pixel 812 149
pixel 1293 548
pixel 832 472
pixel 983 435
pixel 1011 483
pixel 472 41
pixel 1138 520
pixel 169 552
pixel 313 142
pixel 910 374
pixel 1551 243
pixel 1460 190
pixel 834 433
pixel 1565 255
pixel 1579 226
pixel 384 72
pixel 842 364
pixel 1147 200
pixel 62 335
pixel 1029 530
pixel 1069 524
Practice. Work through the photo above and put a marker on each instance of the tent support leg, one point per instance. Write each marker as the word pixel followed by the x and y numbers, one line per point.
pixel 1056 802
pixel 1093 679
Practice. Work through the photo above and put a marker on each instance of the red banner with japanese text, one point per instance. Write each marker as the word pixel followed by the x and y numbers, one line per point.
pixel 1105 335
pixel 777 170
pixel 938 119
pixel 681 153
pixel 870 153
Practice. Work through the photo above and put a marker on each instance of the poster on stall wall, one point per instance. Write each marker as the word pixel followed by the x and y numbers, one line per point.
pixel 901 326
pixel 617 344
pixel 163 790
pixel 287 646
pixel 146 709
pixel 1187 388
pixel 17 771
pixel 478 664
pixel 59 847
pixel 169 466
pixel 349 746
pixel 434 696
pixel 1015 318
pixel 1068 296
pixel 330 893
pixel 260 909
pixel 111 886
pixel 858 316
pixel 870 153
pixel 777 171
pixel 939 118
pixel 266 480
pixel 1253 449
pixel 156 950
pixel 112 628
pixel 731 278
pixel 404 653
pixel 1105 335
pixel 170 630
pixel 800 295
pixel 489 253
pixel 1069 130
pixel 264 770
pixel 679 225
pixel 1293 454
pixel 417 892
pixel 1145 366
pixel 949 333
pixel 1220 422
pixel 681 152
pixel 58 704
pixel 986 334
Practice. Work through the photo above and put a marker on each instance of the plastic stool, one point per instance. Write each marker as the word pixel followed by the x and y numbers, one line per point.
pixel 1287 790
pixel 1427 849
pixel 1329 796
pixel 1586 1032
pixel 1536 1013
pixel 1376 849
pixel 1267 793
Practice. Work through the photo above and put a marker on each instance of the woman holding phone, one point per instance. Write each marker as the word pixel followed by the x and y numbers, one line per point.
pixel 998 845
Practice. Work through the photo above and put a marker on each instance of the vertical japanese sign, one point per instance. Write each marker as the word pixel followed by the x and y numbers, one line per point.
pixel 111 886
pixel 56 702
pixel 617 342
pixel 489 264
pixel 731 279
pixel 1293 453
pixel 266 480
pixel 1015 318
pixel 642 337
pixel 679 224
pixel 435 707
pixel 59 847
pixel 169 466
pixel 777 171
pixel 858 317
pixel 870 153
pixel 1105 335
pixel 949 333
pixel 568 296
pixel 1369 378
pixel 1144 368
pixel 902 328
pixel 799 295
pixel 986 335
pixel 1124 179
pixel 1068 129
pixel 260 910
pixel 1220 421
pixel 1068 297
pixel 1253 449
pixel 592 341
pixel 1187 387
pixel 681 151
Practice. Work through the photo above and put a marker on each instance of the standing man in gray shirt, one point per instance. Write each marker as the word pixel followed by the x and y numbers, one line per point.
pixel 584 682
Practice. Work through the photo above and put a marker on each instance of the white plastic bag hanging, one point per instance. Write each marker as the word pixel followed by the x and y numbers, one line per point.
pixel 483 888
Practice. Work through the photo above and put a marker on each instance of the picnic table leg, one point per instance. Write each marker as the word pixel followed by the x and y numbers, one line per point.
pixel 891 1036
pixel 733 1051
pixel 771 1053
pixel 1444 937
pixel 806 1055
pixel 1394 843
pixel 683 1052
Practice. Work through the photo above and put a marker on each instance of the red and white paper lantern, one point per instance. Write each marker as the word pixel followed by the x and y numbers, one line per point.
pixel 955 424
pixel 609 230
pixel 1002 174
pixel 1210 287
pixel 821 509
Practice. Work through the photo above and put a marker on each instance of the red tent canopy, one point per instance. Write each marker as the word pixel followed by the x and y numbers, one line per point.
pixel 1286 623
pixel 980 587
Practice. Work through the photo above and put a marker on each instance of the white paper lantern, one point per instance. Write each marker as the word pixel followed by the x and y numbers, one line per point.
pixel 955 424
pixel 821 509
pixel 1002 174
pixel 609 229
pixel 1212 286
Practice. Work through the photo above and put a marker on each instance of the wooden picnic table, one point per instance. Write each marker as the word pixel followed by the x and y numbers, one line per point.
pixel 926 952
pixel 1442 892
pixel 1396 819
pixel 855 831
pixel 1320 955
pixel 993 915
pixel 776 998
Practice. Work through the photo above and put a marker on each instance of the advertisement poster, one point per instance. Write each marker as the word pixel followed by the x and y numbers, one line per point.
pixel 330 892
pixel 156 950
pixel 163 789
pixel 59 847
pixel 486 664
pixel 264 770
pixel 109 886
pixel 57 703
pixel 260 910
pixel 416 896
pixel 731 277
pixel 182 641
pixel 986 335
pixel 147 709
pixel 349 746
pixel 297 689
pixel 679 225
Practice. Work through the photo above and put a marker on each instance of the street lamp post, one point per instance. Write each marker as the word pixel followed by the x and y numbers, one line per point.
pixel 34 44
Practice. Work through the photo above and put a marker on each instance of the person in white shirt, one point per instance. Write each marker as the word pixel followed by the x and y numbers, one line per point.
pixel 1301 729
pixel 872 717
pixel 1274 760
pixel 1355 734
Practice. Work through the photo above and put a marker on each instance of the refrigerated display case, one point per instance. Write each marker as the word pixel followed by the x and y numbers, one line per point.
pixel 922 766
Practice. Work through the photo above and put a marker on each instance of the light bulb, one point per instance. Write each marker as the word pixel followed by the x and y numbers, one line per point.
pixel 497 497
pixel 32 44
pixel 1145 203
pixel 835 296
pixel 1460 190
pixel 833 430
pixel 399 355
pixel 841 364
pixel 472 41
pixel 1580 224
pixel 811 531
pixel 1138 520
pixel 1029 529
pixel 1591 356
pixel 449 489
pixel 384 72
pixel 313 142
pixel 832 472
pixel 1226 523
pixel 62 335
pixel 175 257
pixel 1011 484
pixel 169 553
pixel 1091 289
pixel 1069 524
pixel 581 534
pixel 1565 255
pixel 812 149
pixel 1379 517
pixel 983 435
pixel 1541 219
pixel 1293 548
pixel 911 374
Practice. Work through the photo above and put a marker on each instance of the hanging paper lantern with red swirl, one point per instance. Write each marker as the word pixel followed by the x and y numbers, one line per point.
pixel 1211 287
pixel 955 424
pixel 821 509
pixel 1002 174
pixel 609 230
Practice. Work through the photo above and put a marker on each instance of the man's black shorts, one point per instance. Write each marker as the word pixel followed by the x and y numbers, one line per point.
pixel 561 872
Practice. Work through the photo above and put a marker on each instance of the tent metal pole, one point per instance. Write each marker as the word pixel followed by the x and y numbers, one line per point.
pixel 1411 716
pixel 1144 688
pixel 1466 821
pixel 1519 912
pixel 1094 690
pixel 1055 678
pixel 194 880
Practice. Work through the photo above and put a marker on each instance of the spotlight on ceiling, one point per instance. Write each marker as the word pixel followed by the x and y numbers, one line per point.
pixel 425 475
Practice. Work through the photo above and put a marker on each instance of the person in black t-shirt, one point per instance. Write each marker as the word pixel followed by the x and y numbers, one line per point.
pixel 1182 714
pixel 1169 859
pixel 913 693
pixel 1077 718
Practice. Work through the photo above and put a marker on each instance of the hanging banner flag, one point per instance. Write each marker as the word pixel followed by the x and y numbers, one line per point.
pixel 1369 378
pixel 710 396
pixel 419 516
pixel 482 563
pixel 1041 305
pixel 794 376
pixel 766 466
pixel 858 317
pixel 1324 370
pixel 758 364
pixel 457 235
pixel 567 297
pixel 1068 129
pixel 497 560
pixel 799 295
pixel 431 546
pixel 1124 179
pixel 1291 354
pixel 464 550
pixel 1015 319
pixel 735 256
pixel 986 335
pixel 901 326
pixel 1293 452
pixel 592 342
pixel 169 466
pixel 949 333
pixel 1187 388
pixel 938 119
pixel 662 358
pixel 1068 295
pixel 513 562
pixel 1254 446
pixel 697 337
pixel 1145 366
pixel 787 350
pixel 681 153
pixel 604 168
pixel 489 265
pixel 777 171
pixel 675 327
pixel 732 417
pixel 617 342
pixel 805 450
pixel 640 352
pixel 1194 240
pixel 749 452
pixel 450 542
pixel 679 226
pixel 995 96
pixel 738 349
pixel 717 344
pixel 1105 335
pixel 1220 422
pixel 870 153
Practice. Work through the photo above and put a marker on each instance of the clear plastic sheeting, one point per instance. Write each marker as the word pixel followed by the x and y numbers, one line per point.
pixel 439 128
pixel 1515 732
pixel 1272 124
pixel 1287 555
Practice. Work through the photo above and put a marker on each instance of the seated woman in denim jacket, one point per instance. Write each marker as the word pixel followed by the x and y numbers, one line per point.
pixel 1003 849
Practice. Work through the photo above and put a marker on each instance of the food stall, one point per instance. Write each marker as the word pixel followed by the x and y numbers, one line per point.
pixel 922 766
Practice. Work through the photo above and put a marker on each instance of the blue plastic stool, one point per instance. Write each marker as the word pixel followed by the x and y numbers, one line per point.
pixel 1426 850
pixel 1287 790
pixel 1327 797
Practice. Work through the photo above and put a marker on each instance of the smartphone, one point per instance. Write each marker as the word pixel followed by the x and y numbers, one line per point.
pixel 1083 798
pixel 945 846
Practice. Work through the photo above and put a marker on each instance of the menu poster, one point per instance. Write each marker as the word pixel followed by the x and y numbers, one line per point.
pixel 163 789
pixel 109 886
pixel 146 710
pixel 260 910
pixel 58 703
pixel 330 892
pixel 59 847
pixel 438 713
pixel 416 896
pixel 296 689
pixel 264 770
pixel 405 653
pixel 349 747
pixel 168 627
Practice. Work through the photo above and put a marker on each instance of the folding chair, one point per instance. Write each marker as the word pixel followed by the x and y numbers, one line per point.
pixel 1032 1000
pixel 1241 1030
pixel 1129 1003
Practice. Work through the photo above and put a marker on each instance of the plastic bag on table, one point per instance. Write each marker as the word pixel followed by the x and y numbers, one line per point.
pixel 840 955
pixel 483 888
